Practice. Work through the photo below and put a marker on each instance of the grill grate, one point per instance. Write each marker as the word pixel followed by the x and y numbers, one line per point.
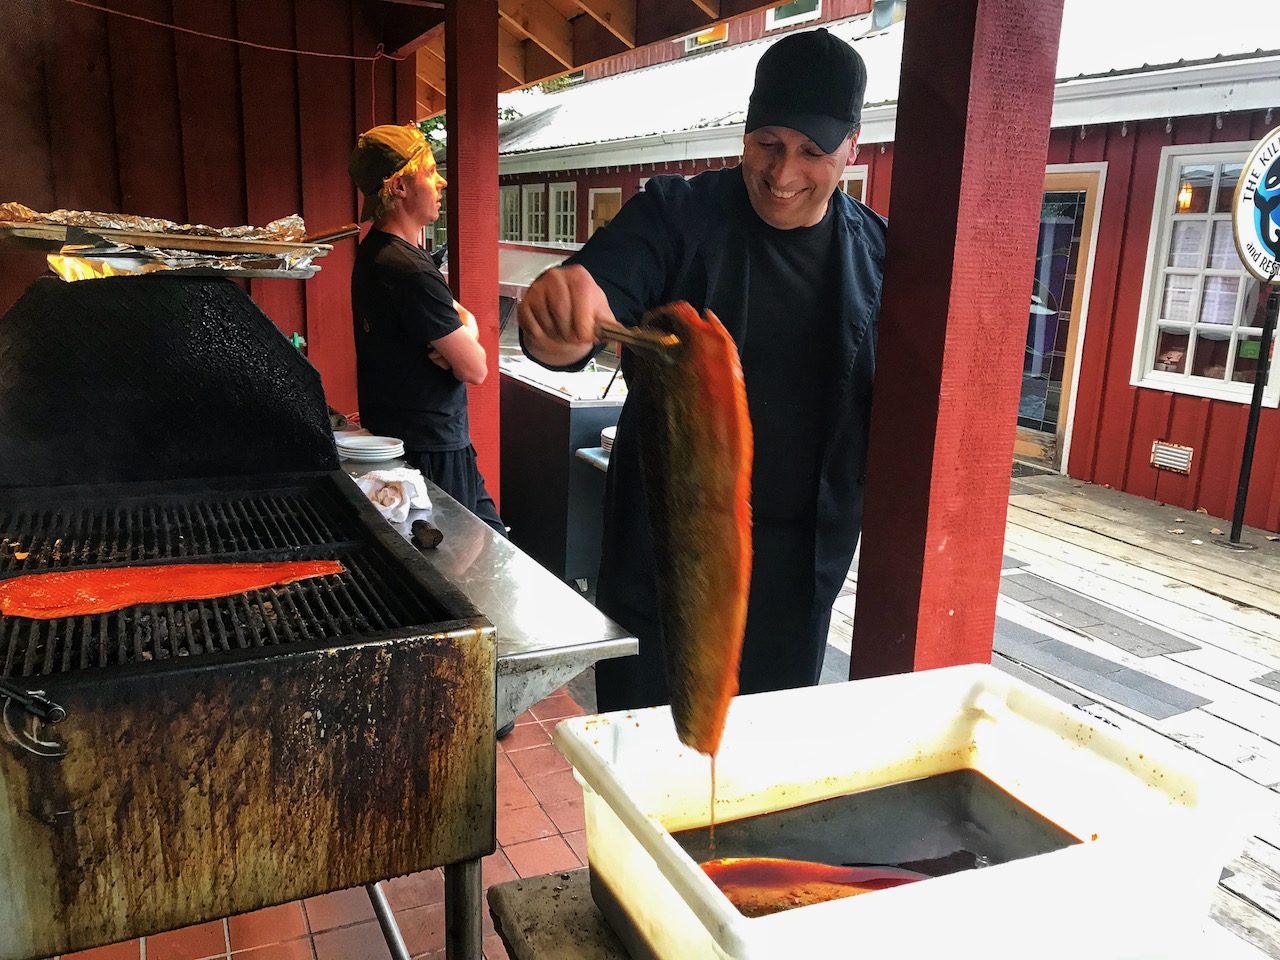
pixel 374 594
pixel 47 538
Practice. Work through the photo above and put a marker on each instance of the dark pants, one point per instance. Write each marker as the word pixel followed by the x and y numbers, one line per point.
pixel 783 646
pixel 455 472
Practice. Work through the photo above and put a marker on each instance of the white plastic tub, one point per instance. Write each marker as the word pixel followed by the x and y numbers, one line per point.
pixel 1157 823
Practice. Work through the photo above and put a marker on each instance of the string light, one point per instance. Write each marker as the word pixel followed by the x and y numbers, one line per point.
pixel 1168 125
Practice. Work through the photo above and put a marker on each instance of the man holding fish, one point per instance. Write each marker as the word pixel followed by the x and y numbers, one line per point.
pixel 792 267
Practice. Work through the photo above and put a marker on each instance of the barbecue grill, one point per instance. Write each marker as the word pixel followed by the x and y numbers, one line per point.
pixel 176 762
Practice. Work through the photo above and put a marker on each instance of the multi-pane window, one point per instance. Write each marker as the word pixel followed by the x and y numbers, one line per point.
pixel 564 212
pixel 509 202
pixel 534 202
pixel 854 182
pixel 789 14
pixel 1199 334
pixel 709 37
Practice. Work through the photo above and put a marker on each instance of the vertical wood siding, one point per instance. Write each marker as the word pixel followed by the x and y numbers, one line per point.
pixel 105 113
pixel 1115 423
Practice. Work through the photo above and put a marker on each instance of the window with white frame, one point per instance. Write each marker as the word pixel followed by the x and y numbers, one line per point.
pixel 564 212
pixel 710 37
pixel 854 181
pixel 534 204
pixel 509 203
pixel 789 14
pixel 1197 332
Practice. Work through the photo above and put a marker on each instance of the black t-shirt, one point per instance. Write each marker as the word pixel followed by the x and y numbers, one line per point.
pixel 788 361
pixel 400 304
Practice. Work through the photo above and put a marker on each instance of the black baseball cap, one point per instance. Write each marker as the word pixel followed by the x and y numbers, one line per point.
pixel 811 82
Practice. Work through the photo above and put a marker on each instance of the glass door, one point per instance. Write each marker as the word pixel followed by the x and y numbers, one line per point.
pixel 1055 312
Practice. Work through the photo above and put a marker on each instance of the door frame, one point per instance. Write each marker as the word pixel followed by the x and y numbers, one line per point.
pixel 592 193
pixel 1091 178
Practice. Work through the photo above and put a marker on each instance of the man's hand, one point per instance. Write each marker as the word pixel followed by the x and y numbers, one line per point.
pixel 559 315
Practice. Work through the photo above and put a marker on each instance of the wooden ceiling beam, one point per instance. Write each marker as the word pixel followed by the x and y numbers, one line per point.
pixel 661 20
pixel 542 24
pixel 710 7
pixel 430 100
pixel 511 56
pixel 593 43
pixel 616 16
pixel 430 70
pixel 540 65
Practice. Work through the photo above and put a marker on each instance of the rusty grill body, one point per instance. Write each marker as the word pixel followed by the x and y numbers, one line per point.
pixel 217 756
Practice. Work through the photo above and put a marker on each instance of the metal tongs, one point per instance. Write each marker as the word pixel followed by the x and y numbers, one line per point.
pixel 636 336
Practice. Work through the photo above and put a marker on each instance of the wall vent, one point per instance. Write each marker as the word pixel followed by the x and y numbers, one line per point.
pixel 1171 456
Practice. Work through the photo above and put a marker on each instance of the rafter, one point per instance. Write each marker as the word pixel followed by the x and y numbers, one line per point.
pixel 710 7
pixel 616 16
pixel 511 56
pixel 430 70
pixel 540 22
pixel 430 101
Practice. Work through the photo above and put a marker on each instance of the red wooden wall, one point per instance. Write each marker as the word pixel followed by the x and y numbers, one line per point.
pixel 105 113
pixel 1115 423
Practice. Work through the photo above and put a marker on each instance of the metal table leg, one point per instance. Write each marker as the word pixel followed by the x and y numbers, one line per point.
pixel 463 921
pixel 387 920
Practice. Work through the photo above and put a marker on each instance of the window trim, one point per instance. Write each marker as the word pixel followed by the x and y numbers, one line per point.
pixel 1141 374
pixel 860 172
pixel 510 190
pixel 592 193
pixel 691 44
pixel 526 191
pixel 571 188
pixel 772 23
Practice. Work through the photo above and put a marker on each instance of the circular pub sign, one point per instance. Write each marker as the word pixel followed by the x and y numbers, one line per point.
pixel 1255 211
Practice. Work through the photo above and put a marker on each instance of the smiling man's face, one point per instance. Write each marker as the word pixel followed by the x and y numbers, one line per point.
pixel 789 179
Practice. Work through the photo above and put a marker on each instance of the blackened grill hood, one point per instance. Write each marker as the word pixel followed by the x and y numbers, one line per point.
pixel 154 378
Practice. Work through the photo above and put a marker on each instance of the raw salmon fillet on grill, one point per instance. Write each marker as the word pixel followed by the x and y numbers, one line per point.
pixel 72 593
pixel 694 436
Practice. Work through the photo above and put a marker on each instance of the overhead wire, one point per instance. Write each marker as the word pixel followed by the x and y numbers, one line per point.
pixel 379 54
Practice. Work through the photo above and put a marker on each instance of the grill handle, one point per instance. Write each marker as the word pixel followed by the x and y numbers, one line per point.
pixel 34 702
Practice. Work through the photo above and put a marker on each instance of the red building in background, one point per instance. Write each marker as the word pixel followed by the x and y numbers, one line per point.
pixel 1141 327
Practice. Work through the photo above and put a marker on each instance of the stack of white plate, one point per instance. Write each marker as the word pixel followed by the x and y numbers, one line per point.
pixel 606 437
pixel 369 449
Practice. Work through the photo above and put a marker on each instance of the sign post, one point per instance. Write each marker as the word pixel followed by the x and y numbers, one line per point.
pixel 1255 222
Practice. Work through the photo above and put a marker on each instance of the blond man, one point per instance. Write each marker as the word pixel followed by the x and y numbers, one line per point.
pixel 416 347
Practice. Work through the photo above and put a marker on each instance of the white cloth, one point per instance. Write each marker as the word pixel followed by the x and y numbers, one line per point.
pixel 395 491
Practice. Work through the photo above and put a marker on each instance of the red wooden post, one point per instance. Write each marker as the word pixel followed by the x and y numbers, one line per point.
pixel 968 171
pixel 471 104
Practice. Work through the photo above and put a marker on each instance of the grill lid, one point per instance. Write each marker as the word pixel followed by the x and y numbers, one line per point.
pixel 152 378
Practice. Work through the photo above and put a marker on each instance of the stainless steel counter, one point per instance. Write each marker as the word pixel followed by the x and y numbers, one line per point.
pixel 547 632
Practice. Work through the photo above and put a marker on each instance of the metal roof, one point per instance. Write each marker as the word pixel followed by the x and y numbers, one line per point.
pixel 1118 59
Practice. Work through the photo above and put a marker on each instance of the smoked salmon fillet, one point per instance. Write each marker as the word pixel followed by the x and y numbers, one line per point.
pixel 72 593
pixel 694 435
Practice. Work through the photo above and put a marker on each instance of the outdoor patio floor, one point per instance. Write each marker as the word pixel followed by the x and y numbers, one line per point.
pixel 540 830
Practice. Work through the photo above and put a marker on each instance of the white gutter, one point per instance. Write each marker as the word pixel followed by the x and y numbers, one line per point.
pixel 1206 88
